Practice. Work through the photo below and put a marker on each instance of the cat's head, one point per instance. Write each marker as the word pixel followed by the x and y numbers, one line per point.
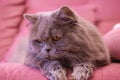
pixel 53 33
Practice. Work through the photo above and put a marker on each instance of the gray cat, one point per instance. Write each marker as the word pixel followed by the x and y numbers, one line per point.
pixel 60 40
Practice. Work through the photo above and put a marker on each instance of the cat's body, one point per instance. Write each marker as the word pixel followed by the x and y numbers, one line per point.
pixel 60 40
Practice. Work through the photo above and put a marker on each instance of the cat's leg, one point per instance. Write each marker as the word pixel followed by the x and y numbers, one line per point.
pixel 81 72
pixel 54 71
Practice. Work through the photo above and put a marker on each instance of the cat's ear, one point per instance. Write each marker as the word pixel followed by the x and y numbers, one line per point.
pixel 31 17
pixel 66 14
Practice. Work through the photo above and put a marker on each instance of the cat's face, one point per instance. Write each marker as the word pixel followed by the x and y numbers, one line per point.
pixel 53 33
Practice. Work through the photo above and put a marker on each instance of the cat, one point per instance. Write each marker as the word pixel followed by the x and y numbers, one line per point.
pixel 60 40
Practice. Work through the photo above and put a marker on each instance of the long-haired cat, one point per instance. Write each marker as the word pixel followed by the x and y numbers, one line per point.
pixel 60 40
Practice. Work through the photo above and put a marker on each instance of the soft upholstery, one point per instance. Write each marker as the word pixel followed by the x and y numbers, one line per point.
pixel 12 71
pixel 107 14
pixel 81 6
pixel 10 20
pixel 112 39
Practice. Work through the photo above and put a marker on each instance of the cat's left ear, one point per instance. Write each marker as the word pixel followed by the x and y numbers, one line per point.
pixel 31 17
pixel 66 14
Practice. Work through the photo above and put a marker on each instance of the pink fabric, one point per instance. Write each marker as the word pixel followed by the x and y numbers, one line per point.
pixel 80 6
pixel 10 18
pixel 107 9
pixel 86 11
pixel 112 40
pixel 46 5
pixel 107 14
pixel 110 72
pixel 12 71
pixel 20 39
pixel 106 26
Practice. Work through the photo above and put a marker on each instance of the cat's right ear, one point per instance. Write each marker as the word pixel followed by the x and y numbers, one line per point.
pixel 66 15
pixel 31 17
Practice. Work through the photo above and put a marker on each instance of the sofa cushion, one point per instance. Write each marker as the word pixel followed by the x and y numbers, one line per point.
pixel 10 17
pixel 106 26
pixel 107 9
pixel 112 39
pixel 46 5
pixel 80 6
pixel 12 71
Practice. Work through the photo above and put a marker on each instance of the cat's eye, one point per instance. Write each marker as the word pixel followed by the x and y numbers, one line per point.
pixel 56 38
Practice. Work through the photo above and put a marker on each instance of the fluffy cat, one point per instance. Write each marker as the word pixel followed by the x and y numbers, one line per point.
pixel 60 40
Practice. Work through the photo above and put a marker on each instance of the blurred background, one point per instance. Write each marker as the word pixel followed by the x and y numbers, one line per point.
pixel 14 33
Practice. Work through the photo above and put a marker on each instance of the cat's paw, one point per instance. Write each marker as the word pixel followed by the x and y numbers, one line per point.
pixel 58 73
pixel 81 72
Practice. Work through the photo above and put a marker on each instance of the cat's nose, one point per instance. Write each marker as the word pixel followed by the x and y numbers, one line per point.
pixel 48 50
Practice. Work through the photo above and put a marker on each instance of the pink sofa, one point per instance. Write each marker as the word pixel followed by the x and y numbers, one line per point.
pixel 103 13
pixel 12 71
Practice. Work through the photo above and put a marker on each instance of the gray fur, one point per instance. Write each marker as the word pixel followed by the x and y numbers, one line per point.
pixel 80 48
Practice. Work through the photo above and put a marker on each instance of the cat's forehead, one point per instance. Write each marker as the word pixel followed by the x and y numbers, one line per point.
pixel 46 26
pixel 45 19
